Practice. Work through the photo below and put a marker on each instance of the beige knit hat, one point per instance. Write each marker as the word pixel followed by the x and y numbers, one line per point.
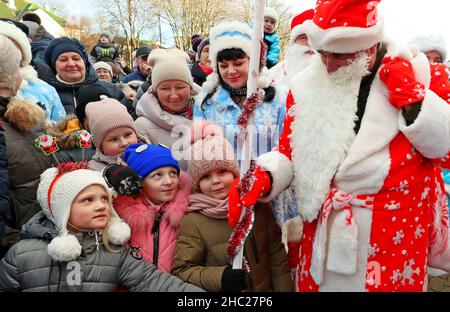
pixel 10 58
pixel 105 116
pixel 210 150
pixel 170 64
pixel 104 66
pixel 57 190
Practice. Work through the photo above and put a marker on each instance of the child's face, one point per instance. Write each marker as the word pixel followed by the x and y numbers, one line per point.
pixel 104 39
pixel 161 185
pixel 90 210
pixel 269 25
pixel 216 183
pixel 117 140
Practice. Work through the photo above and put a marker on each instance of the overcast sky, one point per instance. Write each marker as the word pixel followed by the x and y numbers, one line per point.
pixel 419 17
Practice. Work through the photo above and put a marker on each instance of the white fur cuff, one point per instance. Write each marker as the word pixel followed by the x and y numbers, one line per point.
pixel 430 132
pixel 281 169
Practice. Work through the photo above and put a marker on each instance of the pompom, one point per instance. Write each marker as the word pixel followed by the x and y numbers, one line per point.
pixel 202 129
pixel 211 83
pixel 64 248
pixel 118 232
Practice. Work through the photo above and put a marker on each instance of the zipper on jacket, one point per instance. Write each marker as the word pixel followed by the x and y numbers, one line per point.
pixel 155 233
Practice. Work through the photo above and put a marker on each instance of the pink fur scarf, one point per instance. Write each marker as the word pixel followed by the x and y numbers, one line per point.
pixel 208 206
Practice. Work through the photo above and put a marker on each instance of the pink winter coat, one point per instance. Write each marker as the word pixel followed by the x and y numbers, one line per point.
pixel 140 214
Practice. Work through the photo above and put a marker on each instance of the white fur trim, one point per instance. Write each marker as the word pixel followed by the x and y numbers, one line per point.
pixel 272 13
pixel 211 83
pixel 119 232
pixel 368 161
pixel 29 74
pixel 318 145
pixel 344 39
pixel 295 32
pixel 294 229
pixel 281 170
pixel 356 282
pixel 428 43
pixel 430 132
pixel 17 35
pixel 219 43
pixel 64 248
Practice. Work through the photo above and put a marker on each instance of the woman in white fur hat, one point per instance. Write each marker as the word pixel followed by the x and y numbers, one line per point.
pixel 78 231
pixel 225 90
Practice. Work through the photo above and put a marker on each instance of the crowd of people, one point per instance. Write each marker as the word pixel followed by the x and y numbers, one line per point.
pixel 133 171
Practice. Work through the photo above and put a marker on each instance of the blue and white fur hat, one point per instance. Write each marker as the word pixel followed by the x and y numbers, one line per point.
pixel 229 35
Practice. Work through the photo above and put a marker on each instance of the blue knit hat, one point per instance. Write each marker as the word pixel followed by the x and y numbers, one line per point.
pixel 61 45
pixel 145 158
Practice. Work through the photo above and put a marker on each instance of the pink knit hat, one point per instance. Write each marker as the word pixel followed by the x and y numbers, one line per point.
pixel 209 151
pixel 105 116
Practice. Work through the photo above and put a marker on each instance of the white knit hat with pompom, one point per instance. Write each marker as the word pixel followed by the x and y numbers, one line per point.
pixel 57 190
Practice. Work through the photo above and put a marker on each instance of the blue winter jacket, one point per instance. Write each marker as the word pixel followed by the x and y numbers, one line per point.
pixel 136 75
pixel 43 94
pixel 273 48
pixel 221 109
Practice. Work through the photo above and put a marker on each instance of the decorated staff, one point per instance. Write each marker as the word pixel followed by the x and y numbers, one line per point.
pixel 254 97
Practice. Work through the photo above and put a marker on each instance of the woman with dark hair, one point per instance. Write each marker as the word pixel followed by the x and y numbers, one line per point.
pixel 225 90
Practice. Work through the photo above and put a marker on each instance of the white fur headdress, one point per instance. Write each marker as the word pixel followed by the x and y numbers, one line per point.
pixel 229 35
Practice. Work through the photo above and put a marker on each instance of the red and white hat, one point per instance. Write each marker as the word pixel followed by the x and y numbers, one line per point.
pixel 345 26
pixel 297 24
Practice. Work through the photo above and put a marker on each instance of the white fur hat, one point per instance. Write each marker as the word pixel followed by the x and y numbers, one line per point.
pixel 18 36
pixel 428 43
pixel 57 189
pixel 229 35
pixel 104 66
pixel 272 13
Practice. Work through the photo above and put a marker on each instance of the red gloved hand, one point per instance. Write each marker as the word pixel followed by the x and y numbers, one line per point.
pixel 398 75
pixel 439 81
pixel 234 204
pixel 259 186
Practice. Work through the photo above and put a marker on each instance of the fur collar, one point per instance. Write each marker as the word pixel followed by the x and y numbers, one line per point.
pixel 325 115
pixel 140 214
pixel 24 115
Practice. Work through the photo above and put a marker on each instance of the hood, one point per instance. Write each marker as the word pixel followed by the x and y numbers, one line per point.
pixel 66 140
pixel 24 115
pixel 40 227
pixel 148 107
pixel 139 214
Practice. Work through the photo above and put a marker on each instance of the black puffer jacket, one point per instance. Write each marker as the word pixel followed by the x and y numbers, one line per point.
pixel 67 92
pixel 4 184
pixel 28 267
pixel 198 74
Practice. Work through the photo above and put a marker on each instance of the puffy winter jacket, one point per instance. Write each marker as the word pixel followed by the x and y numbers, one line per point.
pixel 140 215
pixel 273 48
pixel 161 127
pixel 4 184
pixel 201 257
pixel 67 92
pixel 28 267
